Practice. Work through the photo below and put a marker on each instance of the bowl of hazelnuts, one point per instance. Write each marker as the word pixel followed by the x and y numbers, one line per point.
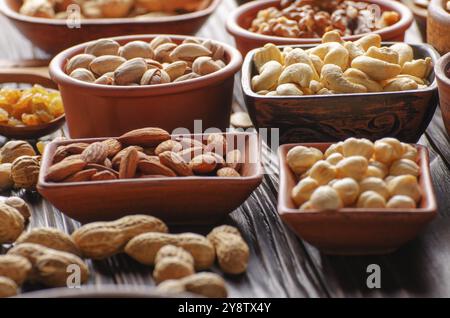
pixel 283 22
pixel 356 197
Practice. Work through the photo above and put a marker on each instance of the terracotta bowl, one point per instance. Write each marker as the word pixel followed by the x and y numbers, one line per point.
pixel 94 110
pixel 442 70
pixel 438 34
pixel 180 200
pixel 325 118
pixel 352 231
pixel 53 35
pixel 21 76
pixel 240 20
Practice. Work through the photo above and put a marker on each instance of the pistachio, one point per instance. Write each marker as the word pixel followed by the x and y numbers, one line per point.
pixel 189 52
pixel 217 50
pixel 79 61
pixel 136 49
pixel 204 65
pixel 106 79
pixel 83 74
pixel 176 69
pixel 130 72
pixel 186 77
pixel 103 47
pixel 155 76
pixel 153 64
pixel 159 40
pixel 106 63
pixel 162 52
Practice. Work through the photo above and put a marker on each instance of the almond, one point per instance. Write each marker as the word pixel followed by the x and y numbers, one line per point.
pixel 101 168
pixel 154 167
pixel 217 143
pixel 168 145
pixel 113 146
pixel 175 162
pixel 95 153
pixel 220 162
pixel 128 164
pixel 227 172
pixel 203 164
pixel 190 153
pixel 118 157
pixel 234 159
pixel 81 176
pixel 60 154
pixel 64 169
pixel 76 148
pixel 145 137
pixel 103 176
pixel 189 142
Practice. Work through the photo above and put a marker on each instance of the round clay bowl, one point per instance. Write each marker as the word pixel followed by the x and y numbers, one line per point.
pixel 53 35
pixel 94 110
pixel 241 19
pixel 29 132
pixel 442 69
pixel 438 34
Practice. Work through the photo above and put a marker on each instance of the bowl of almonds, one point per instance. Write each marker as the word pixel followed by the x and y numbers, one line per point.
pixel 356 196
pixel 179 178
pixel 130 82
pixel 57 25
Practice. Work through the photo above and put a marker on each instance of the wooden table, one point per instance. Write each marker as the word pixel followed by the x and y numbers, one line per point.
pixel 281 265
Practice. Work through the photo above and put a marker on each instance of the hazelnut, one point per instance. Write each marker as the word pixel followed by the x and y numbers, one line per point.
pixel 377 169
pixel 335 158
pixel 306 206
pixel 302 158
pixel 376 185
pixel 334 148
pixel 348 190
pixel 353 167
pixel 405 185
pixel 388 150
pixel 358 147
pixel 410 152
pixel 303 190
pixel 25 172
pixel 371 199
pixel 403 167
pixel 326 198
pixel 14 149
pixel 401 202
pixel 323 172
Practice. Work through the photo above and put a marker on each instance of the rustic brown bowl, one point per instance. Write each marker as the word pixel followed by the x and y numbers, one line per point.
pixel 438 30
pixel 420 15
pixel 240 21
pixel 22 76
pixel 325 118
pixel 94 110
pixel 180 200
pixel 53 35
pixel 352 231
pixel 442 70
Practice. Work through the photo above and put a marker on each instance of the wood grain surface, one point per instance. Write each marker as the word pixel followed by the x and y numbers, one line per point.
pixel 281 265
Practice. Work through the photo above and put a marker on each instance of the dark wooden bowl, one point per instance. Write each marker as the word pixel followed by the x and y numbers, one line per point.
pixel 53 35
pixel 179 200
pixel 313 118
pixel 442 70
pixel 438 31
pixel 352 231
pixel 94 110
pixel 420 15
pixel 24 76
pixel 240 20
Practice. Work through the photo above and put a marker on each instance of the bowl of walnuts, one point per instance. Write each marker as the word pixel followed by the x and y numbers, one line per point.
pixel 305 21
pixel 57 25
pixel 356 196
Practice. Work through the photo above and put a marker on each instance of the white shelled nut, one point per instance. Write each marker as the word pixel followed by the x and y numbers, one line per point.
pixel 358 147
pixel 410 152
pixel 334 148
pixel 371 200
pixel 303 190
pixel 334 158
pixel 302 158
pixel 401 202
pixel 323 172
pixel 353 167
pixel 405 185
pixel 326 198
pixel 388 150
pixel 403 167
pixel 375 184
pixel 348 190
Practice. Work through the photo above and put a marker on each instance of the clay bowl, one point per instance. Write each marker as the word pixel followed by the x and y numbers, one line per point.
pixel 240 20
pixel 352 231
pixel 180 200
pixel 24 76
pixel 53 35
pixel 325 118
pixel 94 110
pixel 442 70
pixel 438 34
pixel 420 15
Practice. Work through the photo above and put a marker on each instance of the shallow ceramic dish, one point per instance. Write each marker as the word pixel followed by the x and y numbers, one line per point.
pixel 438 34
pixel 355 231
pixel 313 118
pixel 53 35
pixel 180 200
pixel 28 76
pixel 240 20
pixel 442 70
pixel 94 110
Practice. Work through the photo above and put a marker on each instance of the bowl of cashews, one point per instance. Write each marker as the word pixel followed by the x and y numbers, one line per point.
pixel 340 89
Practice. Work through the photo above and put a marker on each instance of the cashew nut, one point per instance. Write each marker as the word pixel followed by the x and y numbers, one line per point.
pixel 332 78
pixel 267 80
pixel 384 53
pixel 332 53
pixel 400 84
pixel 358 77
pixel 298 73
pixel 300 56
pixel 317 62
pixel 353 50
pixel 267 53
pixel 419 68
pixel 376 69
pixel 405 52
pixel 315 86
pixel 332 36
pixel 289 89
pixel 369 40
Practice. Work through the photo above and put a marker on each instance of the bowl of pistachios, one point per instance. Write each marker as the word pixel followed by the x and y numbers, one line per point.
pixel 56 25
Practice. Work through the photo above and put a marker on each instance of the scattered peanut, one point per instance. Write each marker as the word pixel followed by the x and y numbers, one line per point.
pixel 204 284
pixel 51 238
pixel 172 262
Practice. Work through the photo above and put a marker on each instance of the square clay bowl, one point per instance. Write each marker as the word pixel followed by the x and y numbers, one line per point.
pixel 179 200
pixel 352 231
